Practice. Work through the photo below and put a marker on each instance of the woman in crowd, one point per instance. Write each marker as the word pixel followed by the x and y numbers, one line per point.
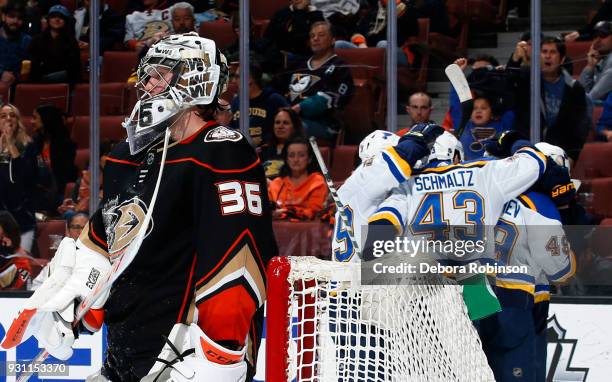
pixel 56 153
pixel 55 53
pixel 300 192
pixel 17 173
pixel 15 263
pixel 287 125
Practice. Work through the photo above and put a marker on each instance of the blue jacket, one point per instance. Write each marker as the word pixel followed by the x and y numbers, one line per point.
pixel 12 52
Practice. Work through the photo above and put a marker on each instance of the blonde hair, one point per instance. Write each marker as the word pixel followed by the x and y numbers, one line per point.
pixel 20 135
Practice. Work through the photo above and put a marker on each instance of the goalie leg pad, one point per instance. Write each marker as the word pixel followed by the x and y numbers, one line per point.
pixel 196 357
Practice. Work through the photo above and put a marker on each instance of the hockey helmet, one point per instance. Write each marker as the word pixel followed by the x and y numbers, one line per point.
pixel 178 72
pixel 375 142
pixel 445 148
pixel 558 155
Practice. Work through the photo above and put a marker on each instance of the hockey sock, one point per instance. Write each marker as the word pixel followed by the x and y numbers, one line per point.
pixel 479 298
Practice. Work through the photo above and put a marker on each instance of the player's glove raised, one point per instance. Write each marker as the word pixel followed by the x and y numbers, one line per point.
pixel 417 142
pixel 506 143
pixel 556 183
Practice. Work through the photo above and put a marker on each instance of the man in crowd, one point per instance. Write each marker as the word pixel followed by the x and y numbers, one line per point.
pixel 13 42
pixel 596 77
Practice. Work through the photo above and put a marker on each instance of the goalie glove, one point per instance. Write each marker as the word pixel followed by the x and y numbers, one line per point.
pixel 49 313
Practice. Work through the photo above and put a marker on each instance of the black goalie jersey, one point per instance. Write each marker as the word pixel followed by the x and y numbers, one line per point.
pixel 203 259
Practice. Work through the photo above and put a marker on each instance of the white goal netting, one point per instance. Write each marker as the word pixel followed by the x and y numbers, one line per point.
pixel 340 330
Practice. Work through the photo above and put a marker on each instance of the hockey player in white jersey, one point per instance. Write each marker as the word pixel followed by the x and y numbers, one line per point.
pixel 382 169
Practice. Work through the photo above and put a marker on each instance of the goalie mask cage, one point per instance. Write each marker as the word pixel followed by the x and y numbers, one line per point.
pixel 322 325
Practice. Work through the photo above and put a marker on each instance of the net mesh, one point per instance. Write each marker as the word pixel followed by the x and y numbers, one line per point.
pixel 342 331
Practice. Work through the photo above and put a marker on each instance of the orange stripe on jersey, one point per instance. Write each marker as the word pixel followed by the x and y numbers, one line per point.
pixel 192 137
pixel 97 238
pixel 187 290
pixel 214 169
pixel 227 315
pixel 122 161
pixel 231 250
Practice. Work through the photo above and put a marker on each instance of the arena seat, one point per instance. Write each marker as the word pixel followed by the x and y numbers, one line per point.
pixel 110 128
pixel 4 93
pixel 364 111
pixel 594 161
pixel 81 161
pixel 343 163
pixel 265 9
pixel 118 65
pixel 576 51
pixel 326 154
pixel 221 32
pixel 447 46
pixel 112 99
pixel 302 238
pixel 118 6
pixel 43 241
pixel 602 203
pixel 29 96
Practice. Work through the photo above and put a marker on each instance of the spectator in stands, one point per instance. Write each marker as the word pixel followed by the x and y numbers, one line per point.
pixel 75 224
pixel 112 26
pixel 596 77
pixel 263 105
pixel 484 124
pixel 419 110
pixel 182 16
pixel 322 85
pixel 223 114
pixel 14 42
pixel 15 263
pixel 522 52
pixel 56 153
pixel 36 10
pixel 565 121
pixel 287 125
pixel 55 53
pixel 144 27
pixel 300 192
pixel 604 13
pixel 288 32
pixel 17 173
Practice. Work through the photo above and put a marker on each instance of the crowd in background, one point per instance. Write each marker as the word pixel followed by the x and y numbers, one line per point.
pixel 297 85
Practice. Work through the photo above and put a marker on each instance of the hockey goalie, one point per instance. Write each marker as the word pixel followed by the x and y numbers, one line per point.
pixel 188 306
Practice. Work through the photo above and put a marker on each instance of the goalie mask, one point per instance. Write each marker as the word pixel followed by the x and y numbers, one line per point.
pixel 178 72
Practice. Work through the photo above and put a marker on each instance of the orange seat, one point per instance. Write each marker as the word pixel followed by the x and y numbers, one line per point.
pixel 344 162
pixel 117 66
pixel 29 96
pixel 110 128
pixel 43 241
pixel 593 161
pixel 221 32
pixel 112 99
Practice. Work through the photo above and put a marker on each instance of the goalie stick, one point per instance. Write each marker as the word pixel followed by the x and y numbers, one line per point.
pixel 334 193
pixel 457 79
pixel 118 267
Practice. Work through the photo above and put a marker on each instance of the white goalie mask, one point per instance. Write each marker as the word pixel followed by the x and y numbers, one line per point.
pixel 178 72
pixel 558 155
pixel 445 148
pixel 375 142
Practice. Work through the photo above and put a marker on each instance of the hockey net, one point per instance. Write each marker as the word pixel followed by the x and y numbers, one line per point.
pixel 323 325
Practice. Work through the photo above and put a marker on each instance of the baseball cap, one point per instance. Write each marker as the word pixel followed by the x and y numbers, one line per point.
pixel 603 28
pixel 59 10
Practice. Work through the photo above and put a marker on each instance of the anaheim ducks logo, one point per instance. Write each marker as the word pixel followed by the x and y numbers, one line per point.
pixel 222 133
pixel 124 222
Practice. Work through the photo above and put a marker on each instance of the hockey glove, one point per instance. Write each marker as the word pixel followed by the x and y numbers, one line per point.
pixel 417 142
pixel 49 313
pixel 506 144
pixel 556 183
